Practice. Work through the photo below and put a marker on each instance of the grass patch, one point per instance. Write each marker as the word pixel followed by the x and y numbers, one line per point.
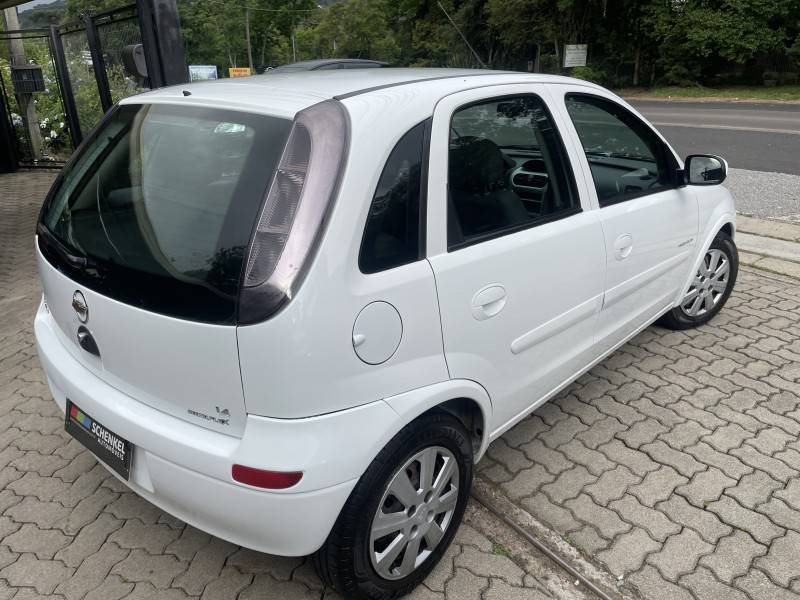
pixel 500 550
pixel 785 93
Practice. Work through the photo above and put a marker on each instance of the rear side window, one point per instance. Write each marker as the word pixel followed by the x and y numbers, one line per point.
pixel 393 230
pixel 160 206
pixel 626 157
pixel 507 170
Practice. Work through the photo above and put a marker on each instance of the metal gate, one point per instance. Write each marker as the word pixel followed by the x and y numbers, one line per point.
pixel 33 99
pixel 60 81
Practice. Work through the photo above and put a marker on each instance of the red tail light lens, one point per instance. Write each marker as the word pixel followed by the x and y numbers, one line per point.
pixel 269 480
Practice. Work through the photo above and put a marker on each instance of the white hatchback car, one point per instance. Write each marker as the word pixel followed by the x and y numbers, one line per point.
pixel 294 310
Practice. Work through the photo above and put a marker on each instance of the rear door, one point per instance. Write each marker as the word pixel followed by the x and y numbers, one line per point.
pixel 518 259
pixel 649 219
pixel 141 249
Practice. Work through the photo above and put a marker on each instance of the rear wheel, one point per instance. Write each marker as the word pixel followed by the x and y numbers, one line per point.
pixel 402 514
pixel 710 288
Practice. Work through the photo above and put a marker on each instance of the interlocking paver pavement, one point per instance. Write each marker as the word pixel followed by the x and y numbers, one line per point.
pixel 694 490
pixel 71 531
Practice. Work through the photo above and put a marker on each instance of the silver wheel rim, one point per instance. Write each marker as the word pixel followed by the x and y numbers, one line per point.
pixel 708 285
pixel 414 512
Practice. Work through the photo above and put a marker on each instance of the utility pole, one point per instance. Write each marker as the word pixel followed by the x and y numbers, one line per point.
pixel 25 101
pixel 247 37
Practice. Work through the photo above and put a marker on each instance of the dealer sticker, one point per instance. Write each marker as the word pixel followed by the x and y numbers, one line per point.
pixel 106 445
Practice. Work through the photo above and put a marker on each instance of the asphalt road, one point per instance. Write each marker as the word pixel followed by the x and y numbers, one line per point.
pixel 757 137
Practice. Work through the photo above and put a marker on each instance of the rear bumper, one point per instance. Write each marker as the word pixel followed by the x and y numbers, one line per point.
pixel 186 470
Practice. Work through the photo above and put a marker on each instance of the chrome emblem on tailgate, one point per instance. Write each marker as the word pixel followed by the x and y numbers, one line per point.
pixel 80 307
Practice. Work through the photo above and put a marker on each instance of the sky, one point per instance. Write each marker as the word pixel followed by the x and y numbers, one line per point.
pixel 31 4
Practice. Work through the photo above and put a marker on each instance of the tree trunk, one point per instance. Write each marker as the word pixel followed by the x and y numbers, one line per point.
pixel 25 101
pixel 636 64
pixel 247 38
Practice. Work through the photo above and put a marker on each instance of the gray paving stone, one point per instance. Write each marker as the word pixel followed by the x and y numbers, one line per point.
pixel 527 482
pixel 705 487
pixel 569 484
pixel 29 571
pixel 654 587
pixel 703 584
pixel 658 486
pixel 606 521
pixel 628 552
pixel 612 485
pixel 756 524
pixel 706 523
pixel 636 461
pixel 683 463
pixel 654 521
pixel 733 556
pixel 679 555
pixel 753 489
pixel 759 587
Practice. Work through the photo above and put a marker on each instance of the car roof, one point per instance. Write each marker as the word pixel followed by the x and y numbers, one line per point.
pixel 284 94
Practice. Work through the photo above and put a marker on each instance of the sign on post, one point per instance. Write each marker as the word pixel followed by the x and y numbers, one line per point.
pixel 202 72
pixel 239 72
pixel 575 55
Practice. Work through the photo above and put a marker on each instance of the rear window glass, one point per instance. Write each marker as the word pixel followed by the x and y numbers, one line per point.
pixel 161 204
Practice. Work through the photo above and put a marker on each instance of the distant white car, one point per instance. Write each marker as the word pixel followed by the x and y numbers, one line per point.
pixel 293 311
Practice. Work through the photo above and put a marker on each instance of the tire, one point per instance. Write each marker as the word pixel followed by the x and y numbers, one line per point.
pixel 347 562
pixel 698 309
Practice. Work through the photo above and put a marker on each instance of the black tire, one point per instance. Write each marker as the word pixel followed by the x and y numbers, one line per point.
pixel 344 561
pixel 678 318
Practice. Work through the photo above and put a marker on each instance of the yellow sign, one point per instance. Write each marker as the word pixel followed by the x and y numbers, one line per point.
pixel 238 72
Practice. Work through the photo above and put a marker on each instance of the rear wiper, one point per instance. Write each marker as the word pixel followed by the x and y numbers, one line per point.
pixel 74 260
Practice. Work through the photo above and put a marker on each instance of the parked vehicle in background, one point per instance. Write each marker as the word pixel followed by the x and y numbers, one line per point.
pixel 329 64
pixel 294 311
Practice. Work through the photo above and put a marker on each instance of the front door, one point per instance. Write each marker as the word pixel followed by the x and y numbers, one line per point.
pixel 518 259
pixel 649 219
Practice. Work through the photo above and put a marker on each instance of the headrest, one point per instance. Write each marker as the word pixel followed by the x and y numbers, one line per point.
pixel 476 164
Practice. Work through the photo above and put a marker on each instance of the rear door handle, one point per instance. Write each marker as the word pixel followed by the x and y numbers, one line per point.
pixel 488 301
pixel 623 246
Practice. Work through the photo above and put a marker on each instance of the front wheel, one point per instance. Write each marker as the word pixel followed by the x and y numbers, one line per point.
pixel 402 514
pixel 710 288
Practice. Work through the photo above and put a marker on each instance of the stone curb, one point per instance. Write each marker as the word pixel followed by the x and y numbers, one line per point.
pixel 769 246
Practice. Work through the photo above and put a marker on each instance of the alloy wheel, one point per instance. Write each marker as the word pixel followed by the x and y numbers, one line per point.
pixel 709 284
pixel 414 512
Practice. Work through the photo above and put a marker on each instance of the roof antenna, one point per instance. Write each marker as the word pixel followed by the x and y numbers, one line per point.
pixel 478 58
pixel 187 93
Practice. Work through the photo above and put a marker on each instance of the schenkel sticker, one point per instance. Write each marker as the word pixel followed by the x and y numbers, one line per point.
pixel 109 447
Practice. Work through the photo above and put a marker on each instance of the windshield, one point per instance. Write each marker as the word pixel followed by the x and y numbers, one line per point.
pixel 158 209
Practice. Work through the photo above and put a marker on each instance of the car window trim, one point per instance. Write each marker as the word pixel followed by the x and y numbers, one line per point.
pixel 513 229
pixel 664 148
pixel 571 181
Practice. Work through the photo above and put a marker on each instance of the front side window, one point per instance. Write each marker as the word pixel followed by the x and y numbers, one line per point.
pixel 626 157
pixel 160 205
pixel 508 170
pixel 393 230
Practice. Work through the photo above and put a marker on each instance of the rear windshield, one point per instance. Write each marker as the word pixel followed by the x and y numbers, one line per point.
pixel 158 209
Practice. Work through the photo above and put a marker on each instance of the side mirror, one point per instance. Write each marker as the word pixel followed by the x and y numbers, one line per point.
pixel 705 169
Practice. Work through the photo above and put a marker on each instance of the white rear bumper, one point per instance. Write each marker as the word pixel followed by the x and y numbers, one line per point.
pixel 186 469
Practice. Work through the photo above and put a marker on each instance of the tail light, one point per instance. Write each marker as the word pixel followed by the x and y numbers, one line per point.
pixel 295 209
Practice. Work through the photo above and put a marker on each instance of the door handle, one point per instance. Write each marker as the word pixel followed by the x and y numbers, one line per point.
pixel 623 246
pixel 488 301
pixel 86 341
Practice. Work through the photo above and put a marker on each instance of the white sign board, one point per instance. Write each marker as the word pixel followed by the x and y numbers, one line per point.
pixel 202 72
pixel 575 55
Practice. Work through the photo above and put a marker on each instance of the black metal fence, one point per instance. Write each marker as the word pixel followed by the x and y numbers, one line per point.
pixel 61 81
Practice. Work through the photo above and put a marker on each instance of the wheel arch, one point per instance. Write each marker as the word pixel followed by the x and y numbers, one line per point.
pixel 726 223
pixel 466 400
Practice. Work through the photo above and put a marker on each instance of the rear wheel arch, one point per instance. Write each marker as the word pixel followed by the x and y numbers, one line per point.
pixel 470 413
